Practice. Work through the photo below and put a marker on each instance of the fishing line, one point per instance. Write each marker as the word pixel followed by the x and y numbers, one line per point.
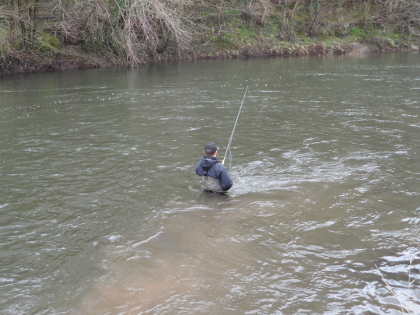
pixel 230 159
pixel 234 126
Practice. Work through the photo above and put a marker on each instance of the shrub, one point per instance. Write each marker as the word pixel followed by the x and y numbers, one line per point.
pixel 134 29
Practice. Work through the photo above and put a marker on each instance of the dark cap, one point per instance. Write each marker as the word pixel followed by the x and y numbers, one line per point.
pixel 210 148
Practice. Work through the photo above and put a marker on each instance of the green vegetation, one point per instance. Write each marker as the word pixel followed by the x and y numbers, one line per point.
pixel 48 43
pixel 358 33
pixel 133 32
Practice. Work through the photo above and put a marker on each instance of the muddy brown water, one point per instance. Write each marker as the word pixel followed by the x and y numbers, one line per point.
pixel 101 213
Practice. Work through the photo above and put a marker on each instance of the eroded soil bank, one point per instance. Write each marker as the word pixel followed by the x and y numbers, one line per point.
pixel 71 59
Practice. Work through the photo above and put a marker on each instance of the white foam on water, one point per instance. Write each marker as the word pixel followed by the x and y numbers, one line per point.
pixel 303 166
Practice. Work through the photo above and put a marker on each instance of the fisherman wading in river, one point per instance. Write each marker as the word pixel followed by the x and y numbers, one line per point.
pixel 214 176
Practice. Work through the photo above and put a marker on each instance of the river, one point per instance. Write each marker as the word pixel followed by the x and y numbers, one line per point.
pixel 101 213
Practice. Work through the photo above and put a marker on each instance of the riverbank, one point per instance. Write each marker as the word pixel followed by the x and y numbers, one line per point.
pixel 57 36
pixel 71 58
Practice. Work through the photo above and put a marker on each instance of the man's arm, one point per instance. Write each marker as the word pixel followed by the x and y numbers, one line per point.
pixel 199 169
pixel 225 180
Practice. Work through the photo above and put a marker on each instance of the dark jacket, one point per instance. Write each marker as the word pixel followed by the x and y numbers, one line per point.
pixel 211 166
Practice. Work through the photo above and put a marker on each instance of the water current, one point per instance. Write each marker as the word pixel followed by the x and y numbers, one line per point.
pixel 101 213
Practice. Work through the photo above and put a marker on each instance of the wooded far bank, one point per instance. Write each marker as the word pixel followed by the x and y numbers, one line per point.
pixel 46 35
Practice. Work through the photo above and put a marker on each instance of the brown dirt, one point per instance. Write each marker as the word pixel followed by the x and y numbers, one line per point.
pixel 72 57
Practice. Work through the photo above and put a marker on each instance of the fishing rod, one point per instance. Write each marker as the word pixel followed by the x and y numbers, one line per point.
pixel 234 125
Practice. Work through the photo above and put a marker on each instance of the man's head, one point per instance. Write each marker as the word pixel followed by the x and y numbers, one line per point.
pixel 211 149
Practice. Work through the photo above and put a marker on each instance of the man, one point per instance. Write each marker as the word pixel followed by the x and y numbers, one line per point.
pixel 214 176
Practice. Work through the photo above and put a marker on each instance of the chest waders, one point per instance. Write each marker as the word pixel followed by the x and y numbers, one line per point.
pixel 209 183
